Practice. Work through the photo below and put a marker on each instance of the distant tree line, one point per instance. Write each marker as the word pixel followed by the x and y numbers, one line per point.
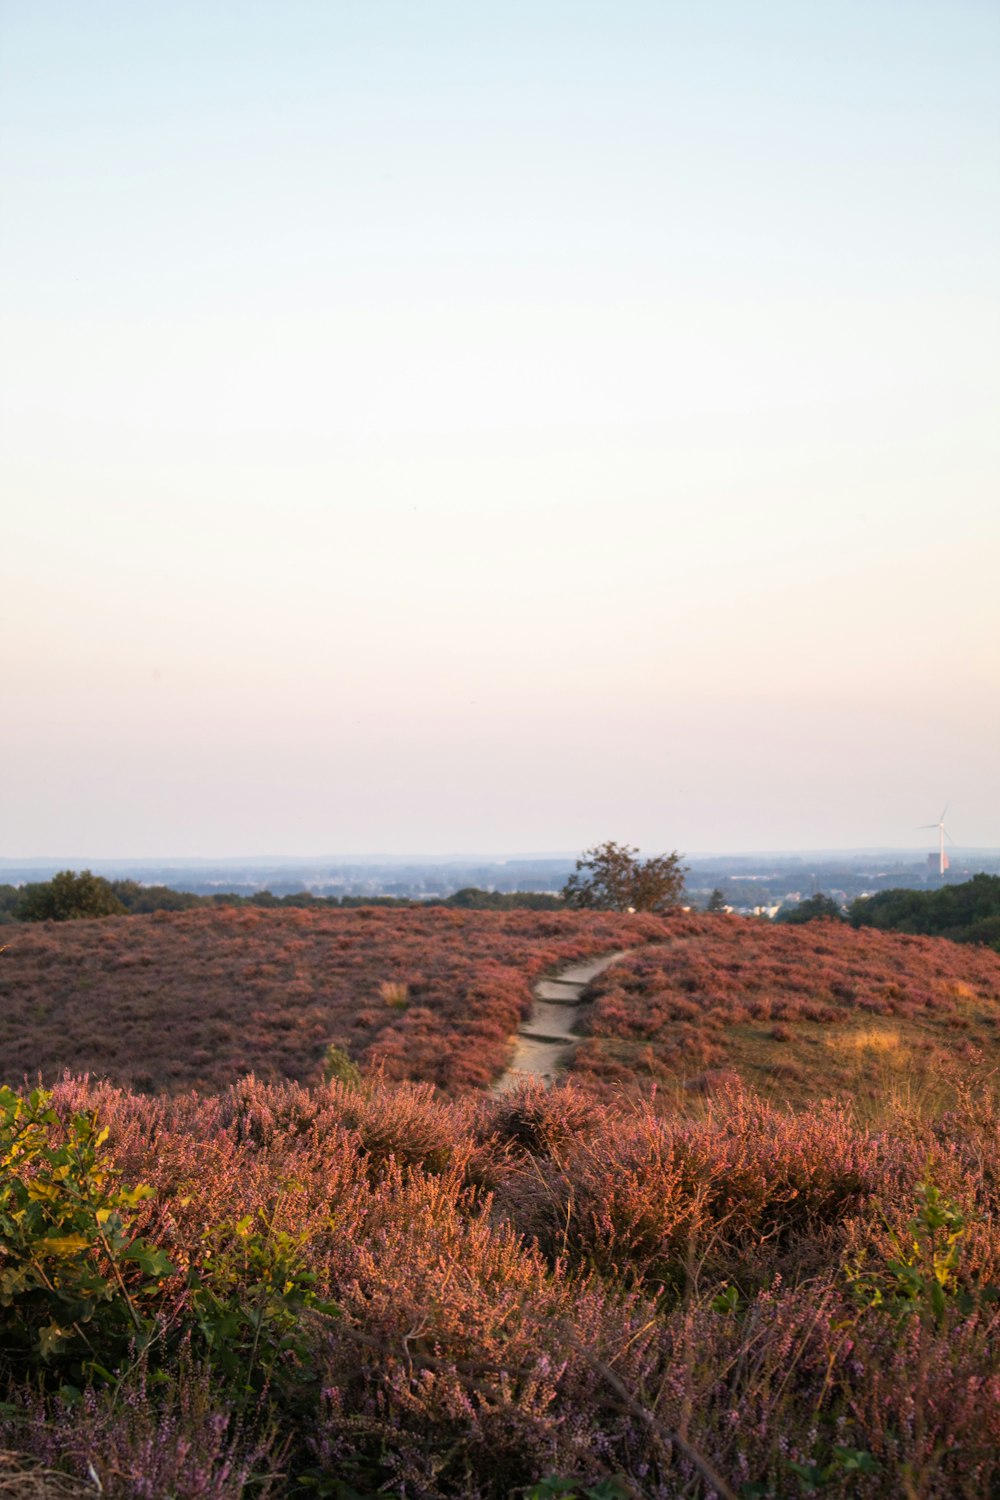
pixel 965 913
pixel 968 912
pixel 70 896
pixel 608 878
pixel 811 909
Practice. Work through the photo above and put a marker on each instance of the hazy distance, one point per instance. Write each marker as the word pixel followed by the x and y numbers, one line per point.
pixel 455 427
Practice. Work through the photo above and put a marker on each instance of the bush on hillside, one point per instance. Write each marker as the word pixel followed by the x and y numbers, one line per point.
pixel 67 897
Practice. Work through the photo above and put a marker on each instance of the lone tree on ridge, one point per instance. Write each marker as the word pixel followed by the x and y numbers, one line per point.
pixel 67 897
pixel 611 878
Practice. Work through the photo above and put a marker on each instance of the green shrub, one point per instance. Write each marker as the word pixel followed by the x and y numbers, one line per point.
pixel 77 1282
pixel 249 1295
pixel 556 1487
pixel 339 1068
pixel 68 897
pixel 921 1273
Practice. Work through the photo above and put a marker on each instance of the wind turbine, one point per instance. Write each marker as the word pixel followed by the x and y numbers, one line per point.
pixel 942 835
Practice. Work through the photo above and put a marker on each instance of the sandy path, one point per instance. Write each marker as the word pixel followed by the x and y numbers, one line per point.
pixel 547 1038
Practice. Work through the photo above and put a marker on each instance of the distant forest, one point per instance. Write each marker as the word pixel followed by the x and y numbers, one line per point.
pixel 964 913
pixel 128 897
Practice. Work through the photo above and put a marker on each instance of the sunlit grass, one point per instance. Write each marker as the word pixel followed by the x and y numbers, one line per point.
pixel 869 1039
pixel 821 1013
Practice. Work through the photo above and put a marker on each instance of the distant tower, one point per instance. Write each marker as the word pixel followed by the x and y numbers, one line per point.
pixel 941 858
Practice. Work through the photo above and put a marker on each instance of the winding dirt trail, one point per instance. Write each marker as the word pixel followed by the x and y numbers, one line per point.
pixel 547 1037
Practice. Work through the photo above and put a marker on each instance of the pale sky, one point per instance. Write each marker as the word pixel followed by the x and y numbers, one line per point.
pixel 498 425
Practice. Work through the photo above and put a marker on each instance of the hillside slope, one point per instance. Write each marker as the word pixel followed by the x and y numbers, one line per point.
pixel 796 1012
pixel 196 999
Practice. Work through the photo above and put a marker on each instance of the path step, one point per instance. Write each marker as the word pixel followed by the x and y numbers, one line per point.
pixel 583 973
pixel 547 1036
pixel 568 994
pixel 555 992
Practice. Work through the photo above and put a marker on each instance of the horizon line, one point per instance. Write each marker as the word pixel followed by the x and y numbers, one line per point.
pixel 469 855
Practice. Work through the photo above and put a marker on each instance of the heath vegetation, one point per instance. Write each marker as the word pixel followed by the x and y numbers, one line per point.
pixel 796 1012
pixel 340 1268
pixel 373 1291
pixel 197 999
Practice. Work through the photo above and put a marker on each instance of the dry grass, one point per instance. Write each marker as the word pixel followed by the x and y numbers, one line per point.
pixel 22 1480
pixel 868 1039
pixel 798 1013
pixel 395 995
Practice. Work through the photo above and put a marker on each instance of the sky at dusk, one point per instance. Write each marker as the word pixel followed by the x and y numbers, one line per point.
pixel 475 426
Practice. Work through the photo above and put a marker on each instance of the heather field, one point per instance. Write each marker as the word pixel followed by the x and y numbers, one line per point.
pixel 180 1000
pixel 797 1013
pixel 663 1279
pixel 195 1000
pixel 361 1292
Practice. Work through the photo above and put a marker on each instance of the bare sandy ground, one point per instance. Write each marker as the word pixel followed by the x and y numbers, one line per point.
pixel 547 1038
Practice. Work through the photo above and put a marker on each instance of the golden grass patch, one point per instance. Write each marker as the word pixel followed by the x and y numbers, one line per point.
pixel 395 994
pixel 866 1039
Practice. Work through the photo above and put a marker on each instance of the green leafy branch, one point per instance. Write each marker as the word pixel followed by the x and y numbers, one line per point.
pixel 76 1277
